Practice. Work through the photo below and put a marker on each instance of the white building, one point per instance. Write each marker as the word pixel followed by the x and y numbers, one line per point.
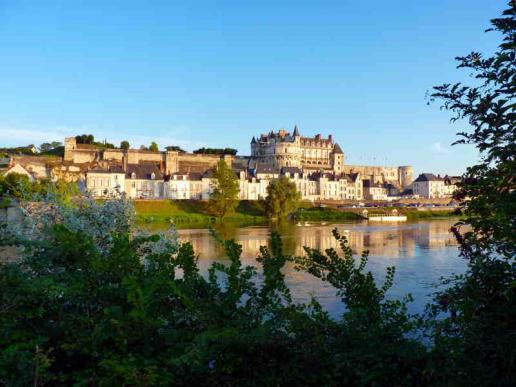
pixel 427 185
pixel 375 191
pixel 145 181
pixel 140 181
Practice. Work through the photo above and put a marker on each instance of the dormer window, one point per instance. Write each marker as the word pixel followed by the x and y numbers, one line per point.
pixel 153 176
pixel 133 175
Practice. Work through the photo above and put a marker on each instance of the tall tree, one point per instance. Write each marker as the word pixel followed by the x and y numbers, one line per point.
pixel 482 303
pixel 125 145
pixel 223 200
pixel 153 147
pixel 282 198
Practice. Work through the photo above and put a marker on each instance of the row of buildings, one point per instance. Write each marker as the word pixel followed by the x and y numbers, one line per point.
pixel 315 164
pixel 145 181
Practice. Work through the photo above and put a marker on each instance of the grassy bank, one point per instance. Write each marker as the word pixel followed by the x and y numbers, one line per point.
pixel 194 212
pixel 324 214
pixel 427 214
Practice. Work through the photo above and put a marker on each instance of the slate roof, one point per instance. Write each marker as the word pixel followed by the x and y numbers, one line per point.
pixel 291 170
pixel 143 171
pixel 353 177
pixel 427 177
pixel 337 149
pixel 110 169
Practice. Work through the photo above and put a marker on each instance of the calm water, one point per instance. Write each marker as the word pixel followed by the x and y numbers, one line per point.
pixel 422 252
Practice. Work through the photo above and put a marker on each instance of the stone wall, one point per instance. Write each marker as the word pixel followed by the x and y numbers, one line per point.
pixel 377 174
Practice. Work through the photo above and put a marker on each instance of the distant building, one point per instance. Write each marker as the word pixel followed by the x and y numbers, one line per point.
pixel 140 181
pixel 20 170
pixel 427 185
pixel 375 191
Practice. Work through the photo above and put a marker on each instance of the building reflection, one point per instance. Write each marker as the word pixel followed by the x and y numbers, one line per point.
pixel 391 240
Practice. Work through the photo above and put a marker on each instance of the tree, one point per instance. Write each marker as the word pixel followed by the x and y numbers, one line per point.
pixel 482 303
pixel 85 139
pixel 216 151
pixel 282 198
pixel 153 147
pixel 45 147
pixel 125 145
pixel 223 199
pixel 143 147
pixel 175 148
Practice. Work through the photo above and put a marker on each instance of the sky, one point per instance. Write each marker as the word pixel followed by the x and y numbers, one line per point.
pixel 215 73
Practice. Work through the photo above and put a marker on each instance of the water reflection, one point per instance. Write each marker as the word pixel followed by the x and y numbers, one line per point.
pixel 421 251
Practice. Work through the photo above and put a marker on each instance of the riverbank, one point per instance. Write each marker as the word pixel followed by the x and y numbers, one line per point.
pixel 195 213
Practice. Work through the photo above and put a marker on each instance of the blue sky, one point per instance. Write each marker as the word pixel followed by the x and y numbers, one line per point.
pixel 215 73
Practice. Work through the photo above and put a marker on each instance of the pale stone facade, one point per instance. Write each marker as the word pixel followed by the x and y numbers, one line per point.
pixel 375 191
pixel 427 185
pixel 252 185
pixel 17 168
pixel 282 149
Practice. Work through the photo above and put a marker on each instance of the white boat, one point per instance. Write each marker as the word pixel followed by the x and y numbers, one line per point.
pixel 387 218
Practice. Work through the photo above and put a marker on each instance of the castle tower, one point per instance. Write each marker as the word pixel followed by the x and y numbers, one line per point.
pixel 337 159
pixel 70 144
pixel 405 175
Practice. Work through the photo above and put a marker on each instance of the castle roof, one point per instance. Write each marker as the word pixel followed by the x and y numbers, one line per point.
pixel 296 131
pixel 337 149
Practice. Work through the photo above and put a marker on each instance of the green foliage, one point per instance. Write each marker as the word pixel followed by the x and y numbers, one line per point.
pixel 153 147
pixel 24 150
pixel 19 187
pixel 223 199
pixel 51 147
pixel 216 151
pixel 74 314
pixel 324 214
pixel 282 198
pixel 480 306
pixel 125 145
pixel 90 139
pixel 85 139
pixel 175 148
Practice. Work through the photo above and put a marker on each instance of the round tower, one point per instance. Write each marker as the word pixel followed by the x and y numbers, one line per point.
pixel 405 175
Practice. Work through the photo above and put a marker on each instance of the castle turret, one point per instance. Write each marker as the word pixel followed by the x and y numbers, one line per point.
pixel 338 159
pixel 296 132
pixel 70 144
pixel 405 175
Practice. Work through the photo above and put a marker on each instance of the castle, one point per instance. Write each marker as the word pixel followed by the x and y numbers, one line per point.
pixel 316 154
pixel 316 165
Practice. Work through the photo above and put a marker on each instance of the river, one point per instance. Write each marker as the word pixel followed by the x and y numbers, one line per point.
pixel 421 251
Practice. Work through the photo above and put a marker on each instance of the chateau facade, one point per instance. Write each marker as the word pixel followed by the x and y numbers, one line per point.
pixel 314 154
pixel 282 149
